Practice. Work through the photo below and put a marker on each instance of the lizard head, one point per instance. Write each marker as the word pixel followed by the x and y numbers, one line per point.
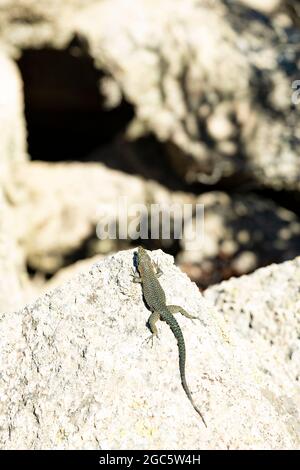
pixel 142 257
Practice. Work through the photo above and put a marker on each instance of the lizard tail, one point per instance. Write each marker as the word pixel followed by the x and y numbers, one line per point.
pixel 181 347
pixel 186 388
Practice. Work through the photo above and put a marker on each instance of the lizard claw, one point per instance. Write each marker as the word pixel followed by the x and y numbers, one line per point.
pixel 151 338
pixel 135 276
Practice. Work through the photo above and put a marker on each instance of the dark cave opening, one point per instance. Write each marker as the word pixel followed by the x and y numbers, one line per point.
pixel 68 118
pixel 65 110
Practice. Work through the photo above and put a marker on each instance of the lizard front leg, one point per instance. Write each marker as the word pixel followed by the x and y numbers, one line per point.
pixel 158 271
pixel 135 277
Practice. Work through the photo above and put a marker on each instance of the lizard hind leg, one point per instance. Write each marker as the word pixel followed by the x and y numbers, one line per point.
pixel 175 308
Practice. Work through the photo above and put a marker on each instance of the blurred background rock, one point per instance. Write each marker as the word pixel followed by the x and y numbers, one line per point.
pixel 159 101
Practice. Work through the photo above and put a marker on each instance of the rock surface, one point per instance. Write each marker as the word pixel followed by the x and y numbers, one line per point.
pixel 236 238
pixel 217 118
pixel 14 280
pixel 59 206
pixel 12 122
pixel 58 218
pixel 13 276
pixel 265 305
pixel 267 6
pixel 76 372
pixel 67 273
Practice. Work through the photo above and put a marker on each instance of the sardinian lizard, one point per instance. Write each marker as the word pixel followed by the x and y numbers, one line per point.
pixel 155 300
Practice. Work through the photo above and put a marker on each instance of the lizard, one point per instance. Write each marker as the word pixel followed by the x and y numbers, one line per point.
pixel 154 296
